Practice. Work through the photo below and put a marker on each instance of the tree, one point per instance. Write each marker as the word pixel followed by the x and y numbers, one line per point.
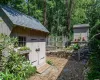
pixel 28 7
pixel 93 12
pixel 4 1
pixel 93 15
pixel 45 14
pixel 79 14
pixel 69 13
pixel 57 15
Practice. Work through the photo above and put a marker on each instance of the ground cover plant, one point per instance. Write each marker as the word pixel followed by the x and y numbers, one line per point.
pixel 49 62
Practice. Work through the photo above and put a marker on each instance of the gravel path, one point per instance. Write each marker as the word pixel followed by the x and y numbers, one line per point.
pixel 63 69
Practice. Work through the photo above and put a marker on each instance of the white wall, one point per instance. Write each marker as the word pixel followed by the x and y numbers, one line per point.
pixel 38 58
pixel 83 32
pixel 4 28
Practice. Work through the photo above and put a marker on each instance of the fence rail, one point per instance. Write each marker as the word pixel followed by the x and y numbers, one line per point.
pixel 55 42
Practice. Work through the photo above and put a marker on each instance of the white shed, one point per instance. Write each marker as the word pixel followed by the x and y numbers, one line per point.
pixel 29 31
pixel 81 32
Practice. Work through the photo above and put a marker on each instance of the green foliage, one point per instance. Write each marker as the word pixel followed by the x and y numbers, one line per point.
pixel 95 29
pixel 24 48
pixel 79 12
pixel 4 1
pixel 94 61
pixel 93 14
pixel 70 47
pixel 76 46
pixel 94 75
pixel 6 42
pixel 14 66
pixel 50 62
pixel 56 12
pixel 6 75
pixel 17 64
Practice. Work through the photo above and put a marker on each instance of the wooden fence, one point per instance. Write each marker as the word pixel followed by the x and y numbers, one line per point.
pixel 55 42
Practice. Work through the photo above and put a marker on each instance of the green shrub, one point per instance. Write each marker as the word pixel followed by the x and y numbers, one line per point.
pixel 17 67
pixel 6 75
pixel 17 64
pixel 92 75
pixel 7 44
pixel 49 62
pixel 76 46
pixel 14 66
pixel 94 61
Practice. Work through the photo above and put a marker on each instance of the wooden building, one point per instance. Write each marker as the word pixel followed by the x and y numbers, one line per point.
pixel 81 32
pixel 30 33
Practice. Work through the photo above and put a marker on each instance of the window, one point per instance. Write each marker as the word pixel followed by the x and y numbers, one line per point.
pixel 21 41
pixel 26 56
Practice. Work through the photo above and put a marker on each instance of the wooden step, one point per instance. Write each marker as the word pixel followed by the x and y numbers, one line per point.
pixel 43 68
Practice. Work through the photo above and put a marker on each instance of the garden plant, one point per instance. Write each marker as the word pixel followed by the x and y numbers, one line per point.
pixel 13 66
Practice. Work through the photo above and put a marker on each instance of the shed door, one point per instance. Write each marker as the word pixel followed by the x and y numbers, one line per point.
pixel 34 52
pixel 37 46
pixel 42 56
pixel 32 43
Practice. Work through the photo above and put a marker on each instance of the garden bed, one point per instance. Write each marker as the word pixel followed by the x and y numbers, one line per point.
pixel 25 51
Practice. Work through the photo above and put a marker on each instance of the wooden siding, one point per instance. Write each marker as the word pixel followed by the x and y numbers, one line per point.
pixel 4 27
pixel 34 40
pixel 81 32
pixel 5 23
pixel 27 32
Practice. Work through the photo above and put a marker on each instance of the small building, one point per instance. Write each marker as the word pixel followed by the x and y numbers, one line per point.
pixel 81 32
pixel 29 31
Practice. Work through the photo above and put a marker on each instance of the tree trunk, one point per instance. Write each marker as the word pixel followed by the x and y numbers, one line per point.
pixel 45 14
pixel 28 7
pixel 66 33
pixel 69 12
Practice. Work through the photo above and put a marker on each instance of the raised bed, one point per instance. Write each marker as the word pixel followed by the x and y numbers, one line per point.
pixel 24 52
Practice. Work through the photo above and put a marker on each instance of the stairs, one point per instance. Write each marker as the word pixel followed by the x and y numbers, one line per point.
pixel 43 68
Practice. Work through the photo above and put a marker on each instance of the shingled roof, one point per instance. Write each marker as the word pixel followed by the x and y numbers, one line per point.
pixel 81 26
pixel 18 18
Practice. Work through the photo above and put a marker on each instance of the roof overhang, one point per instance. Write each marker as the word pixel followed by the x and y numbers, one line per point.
pixel 20 19
pixel 81 26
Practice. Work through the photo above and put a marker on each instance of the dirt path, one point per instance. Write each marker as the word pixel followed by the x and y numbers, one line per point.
pixel 63 69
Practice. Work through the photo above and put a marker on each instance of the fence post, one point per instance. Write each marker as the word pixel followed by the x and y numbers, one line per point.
pixel 56 43
pixel 62 41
